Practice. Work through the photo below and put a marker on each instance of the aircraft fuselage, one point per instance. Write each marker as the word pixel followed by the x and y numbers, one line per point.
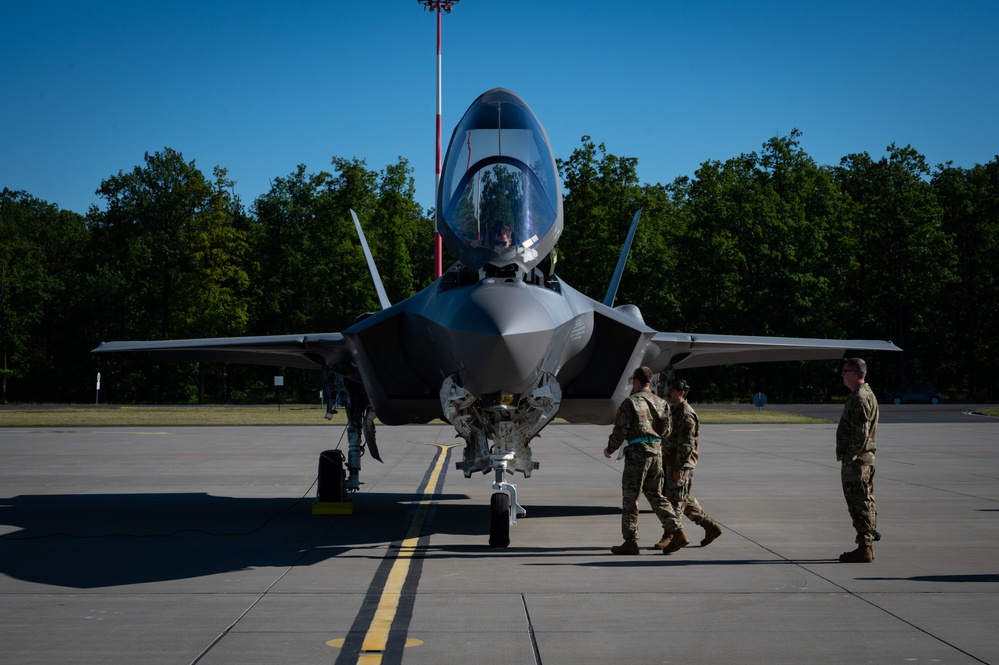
pixel 497 338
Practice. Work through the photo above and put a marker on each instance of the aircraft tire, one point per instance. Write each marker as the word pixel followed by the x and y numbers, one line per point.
pixel 499 520
pixel 332 476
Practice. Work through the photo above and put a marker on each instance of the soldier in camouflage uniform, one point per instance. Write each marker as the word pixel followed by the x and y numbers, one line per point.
pixel 855 448
pixel 679 459
pixel 642 420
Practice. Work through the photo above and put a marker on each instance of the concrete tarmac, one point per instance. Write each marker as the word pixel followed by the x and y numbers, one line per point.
pixel 187 545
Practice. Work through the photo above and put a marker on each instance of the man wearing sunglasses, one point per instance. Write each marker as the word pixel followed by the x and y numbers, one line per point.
pixel 855 448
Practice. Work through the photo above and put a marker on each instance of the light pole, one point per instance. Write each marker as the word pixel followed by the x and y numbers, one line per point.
pixel 440 7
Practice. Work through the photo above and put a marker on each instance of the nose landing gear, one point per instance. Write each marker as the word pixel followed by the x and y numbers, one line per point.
pixel 497 437
pixel 501 517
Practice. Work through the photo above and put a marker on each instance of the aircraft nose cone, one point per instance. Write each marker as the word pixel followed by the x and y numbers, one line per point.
pixel 499 337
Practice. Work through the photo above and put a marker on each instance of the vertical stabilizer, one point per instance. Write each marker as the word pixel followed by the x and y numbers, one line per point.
pixel 379 287
pixel 622 260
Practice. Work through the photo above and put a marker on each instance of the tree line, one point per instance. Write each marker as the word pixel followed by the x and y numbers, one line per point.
pixel 765 243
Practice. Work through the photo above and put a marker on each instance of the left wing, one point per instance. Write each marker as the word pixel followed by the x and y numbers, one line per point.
pixel 689 350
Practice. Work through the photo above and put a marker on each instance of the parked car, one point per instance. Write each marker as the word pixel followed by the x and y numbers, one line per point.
pixel 923 392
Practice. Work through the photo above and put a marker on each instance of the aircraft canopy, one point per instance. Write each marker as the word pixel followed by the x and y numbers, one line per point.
pixel 499 191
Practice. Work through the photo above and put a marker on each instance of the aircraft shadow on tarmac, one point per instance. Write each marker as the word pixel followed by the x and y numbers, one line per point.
pixel 974 579
pixel 473 520
pixel 682 558
pixel 108 540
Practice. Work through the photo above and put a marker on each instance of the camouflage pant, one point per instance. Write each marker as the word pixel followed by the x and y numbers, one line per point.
pixel 643 474
pixel 858 488
pixel 679 494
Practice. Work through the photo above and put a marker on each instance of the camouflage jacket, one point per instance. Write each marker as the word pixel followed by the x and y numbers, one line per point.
pixel 680 451
pixel 643 418
pixel 858 427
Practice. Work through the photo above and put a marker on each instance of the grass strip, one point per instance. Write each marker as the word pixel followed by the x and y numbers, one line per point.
pixel 230 416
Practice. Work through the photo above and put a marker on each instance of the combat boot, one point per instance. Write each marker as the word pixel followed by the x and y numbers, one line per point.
pixel 711 531
pixel 667 536
pixel 863 554
pixel 677 541
pixel 627 547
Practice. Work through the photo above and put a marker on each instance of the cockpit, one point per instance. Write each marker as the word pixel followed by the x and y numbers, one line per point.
pixel 500 198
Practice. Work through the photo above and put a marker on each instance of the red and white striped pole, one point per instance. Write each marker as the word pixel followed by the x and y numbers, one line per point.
pixel 441 7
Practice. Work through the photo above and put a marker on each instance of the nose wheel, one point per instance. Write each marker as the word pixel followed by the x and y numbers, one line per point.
pixel 503 507
pixel 499 520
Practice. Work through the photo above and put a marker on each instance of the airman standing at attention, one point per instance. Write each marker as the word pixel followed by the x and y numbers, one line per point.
pixel 642 420
pixel 855 448
pixel 679 459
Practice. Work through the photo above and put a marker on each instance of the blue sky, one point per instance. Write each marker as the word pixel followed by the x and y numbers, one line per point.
pixel 260 87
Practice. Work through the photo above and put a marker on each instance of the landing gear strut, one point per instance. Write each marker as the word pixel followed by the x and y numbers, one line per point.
pixel 497 434
pixel 503 509
pixel 340 475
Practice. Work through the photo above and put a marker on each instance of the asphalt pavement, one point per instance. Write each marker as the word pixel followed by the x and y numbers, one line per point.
pixel 198 545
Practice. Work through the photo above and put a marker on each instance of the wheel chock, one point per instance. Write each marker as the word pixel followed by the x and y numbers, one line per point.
pixel 333 508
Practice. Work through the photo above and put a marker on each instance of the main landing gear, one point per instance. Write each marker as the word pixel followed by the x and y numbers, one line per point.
pixel 339 475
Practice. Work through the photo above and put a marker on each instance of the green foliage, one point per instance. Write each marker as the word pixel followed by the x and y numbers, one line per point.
pixel 764 243
pixel 770 243
pixel 761 254
pixel 602 193
pixel 169 262
pixel 970 218
pixel 403 233
pixel 757 240
pixel 904 258
pixel 218 302
pixel 310 271
pixel 40 261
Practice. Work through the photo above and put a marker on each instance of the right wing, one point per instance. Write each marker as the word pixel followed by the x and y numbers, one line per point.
pixel 302 351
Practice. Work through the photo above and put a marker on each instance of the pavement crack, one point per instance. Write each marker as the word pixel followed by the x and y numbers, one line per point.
pixel 530 630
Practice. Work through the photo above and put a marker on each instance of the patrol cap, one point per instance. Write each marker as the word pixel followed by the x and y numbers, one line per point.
pixel 642 374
